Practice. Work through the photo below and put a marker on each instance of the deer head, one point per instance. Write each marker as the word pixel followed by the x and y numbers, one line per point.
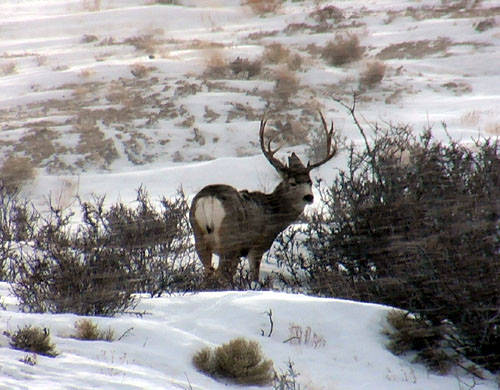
pixel 296 185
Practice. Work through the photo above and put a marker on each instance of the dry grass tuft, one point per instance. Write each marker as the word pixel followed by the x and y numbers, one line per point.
pixel 15 172
pixel 146 43
pixel 372 75
pixel 262 7
pixel 243 66
pixel 8 68
pixel 141 71
pixel 493 128
pixel 91 5
pixel 299 335
pixel 240 361
pixel 93 146
pixel 163 2
pixel 342 50
pixel 33 339
pixel 470 119
pixel 327 13
pixel 485 24
pixel 287 84
pixel 217 66
pixel 89 38
pixel 276 53
pixel 88 330
pixel 457 87
pixel 415 49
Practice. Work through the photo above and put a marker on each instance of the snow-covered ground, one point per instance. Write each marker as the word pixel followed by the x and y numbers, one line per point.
pixel 103 96
pixel 348 351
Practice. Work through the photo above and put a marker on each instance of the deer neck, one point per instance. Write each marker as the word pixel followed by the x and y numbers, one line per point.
pixel 283 209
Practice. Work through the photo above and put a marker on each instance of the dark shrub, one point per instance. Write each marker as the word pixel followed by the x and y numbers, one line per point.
pixel 17 223
pixel 156 242
pixel 69 271
pixel 411 223
pixel 409 334
pixel 95 267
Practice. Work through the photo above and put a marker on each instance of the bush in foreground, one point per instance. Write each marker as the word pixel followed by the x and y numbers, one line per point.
pixel 68 271
pixel 33 339
pixel 241 361
pixel 97 266
pixel 409 333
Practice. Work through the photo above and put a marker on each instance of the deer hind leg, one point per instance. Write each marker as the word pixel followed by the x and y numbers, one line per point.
pixel 227 267
pixel 254 259
pixel 205 255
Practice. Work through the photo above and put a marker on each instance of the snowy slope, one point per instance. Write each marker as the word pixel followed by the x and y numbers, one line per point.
pixel 156 352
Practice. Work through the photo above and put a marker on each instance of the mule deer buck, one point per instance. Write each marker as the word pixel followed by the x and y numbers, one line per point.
pixel 234 224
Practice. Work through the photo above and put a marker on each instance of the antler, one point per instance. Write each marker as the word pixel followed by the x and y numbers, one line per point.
pixel 331 148
pixel 268 152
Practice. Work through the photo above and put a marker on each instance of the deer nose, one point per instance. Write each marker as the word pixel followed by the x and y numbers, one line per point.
pixel 308 198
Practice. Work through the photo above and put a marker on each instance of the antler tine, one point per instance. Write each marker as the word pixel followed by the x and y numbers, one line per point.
pixel 268 152
pixel 330 152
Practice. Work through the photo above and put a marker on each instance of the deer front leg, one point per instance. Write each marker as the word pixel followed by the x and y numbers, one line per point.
pixel 254 259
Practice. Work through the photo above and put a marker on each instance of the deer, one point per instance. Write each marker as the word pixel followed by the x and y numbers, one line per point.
pixel 234 224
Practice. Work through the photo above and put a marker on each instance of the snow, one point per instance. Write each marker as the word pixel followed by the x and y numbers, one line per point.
pixel 56 65
pixel 158 346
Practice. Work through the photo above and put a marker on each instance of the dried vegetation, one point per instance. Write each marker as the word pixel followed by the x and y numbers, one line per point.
pixel 240 360
pixel 33 339
pixel 342 50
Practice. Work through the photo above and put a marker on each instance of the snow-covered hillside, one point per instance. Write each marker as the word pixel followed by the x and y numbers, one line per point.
pixel 102 96
pixel 145 88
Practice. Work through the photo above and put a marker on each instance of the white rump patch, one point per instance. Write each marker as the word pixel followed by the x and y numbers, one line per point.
pixel 209 214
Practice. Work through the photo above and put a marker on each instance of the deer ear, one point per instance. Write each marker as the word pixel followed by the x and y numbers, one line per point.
pixel 295 163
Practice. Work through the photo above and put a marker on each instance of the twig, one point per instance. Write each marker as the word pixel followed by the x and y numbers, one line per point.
pixel 189 383
pixel 270 315
pixel 125 333
pixel 291 338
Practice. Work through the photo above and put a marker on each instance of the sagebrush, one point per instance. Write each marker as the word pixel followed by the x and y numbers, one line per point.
pixel 240 360
pixel 86 329
pixel 33 339
pixel 411 334
pixel 342 50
